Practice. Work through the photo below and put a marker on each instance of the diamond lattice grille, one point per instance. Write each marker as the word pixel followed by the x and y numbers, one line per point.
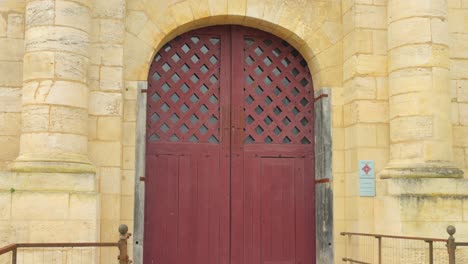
pixel 278 98
pixel 183 94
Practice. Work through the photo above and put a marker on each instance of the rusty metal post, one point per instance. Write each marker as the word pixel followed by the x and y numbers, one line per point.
pixel 13 256
pixel 431 251
pixel 379 239
pixel 451 245
pixel 123 250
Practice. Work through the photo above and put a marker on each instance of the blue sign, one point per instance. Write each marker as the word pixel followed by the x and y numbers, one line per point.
pixel 366 178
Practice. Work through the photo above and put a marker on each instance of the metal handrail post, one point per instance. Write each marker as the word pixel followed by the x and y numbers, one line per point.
pixel 451 245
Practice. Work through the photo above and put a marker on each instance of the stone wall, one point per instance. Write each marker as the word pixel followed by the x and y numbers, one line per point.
pixel 357 48
pixel 11 71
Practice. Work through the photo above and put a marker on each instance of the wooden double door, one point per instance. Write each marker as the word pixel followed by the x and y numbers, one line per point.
pixel 229 156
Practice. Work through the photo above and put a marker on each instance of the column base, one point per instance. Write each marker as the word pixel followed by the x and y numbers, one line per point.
pixel 421 170
pixel 53 163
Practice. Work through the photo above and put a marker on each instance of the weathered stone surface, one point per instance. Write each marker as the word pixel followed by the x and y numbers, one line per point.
pixel 111 79
pixel 68 120
pixel 56 92
pixel 47 206
pixel 40 13
pixel 411 128
pixel 35 118
pixel 10 100
pixel 112 31
pixel 39 65
pixel 57 39
pixel 71 14
pixel 105 103
pixel 106 153
pixel 15 27
pixel 71 66
pixel 109 128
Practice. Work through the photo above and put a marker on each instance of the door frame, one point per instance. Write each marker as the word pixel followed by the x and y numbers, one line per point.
pixel 323 175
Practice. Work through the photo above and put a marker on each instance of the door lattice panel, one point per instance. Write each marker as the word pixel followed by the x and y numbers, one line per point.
pixel 184 90
pixel 278 97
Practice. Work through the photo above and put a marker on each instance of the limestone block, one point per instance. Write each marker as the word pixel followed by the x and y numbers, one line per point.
pixel 418 55
pixel 440 31
pixel 46 231
pixel 431 209
pixel 409 104
pixel 455 116
pixel 109 180
pixel 454 3
pixel 83 207
pixel 382 88
pixel 5 205
pixel 365 111
pixel 111 78
pixel 458 69
pixel 130 110
pixel 58 39
pixel 92 127
pixel 333 31
pixel 68 120
pixel 53 144
pixel 375 65
pixel 56 92
pixel 71 14
pixel 361 135
pixel 379 42
pixel 39 65
pixel 200 10
pixel 10 124
pixel 437 150
pixel 101 103
pixel 128 182
pixel 327 58
pixel 237 7
pixel 181 12
pixel 10 147
pixel 458 22
pixel 349 22
pixel 112 31
pixel 411 128
pixel 398 9
pixel 130 92
pixel 109 9
pixel 129 138
pixel 35 118
pixel 71 66
pixel 93 77
pixel 3 26
pixel 105 153
pixel 459 136
pixel 12 73
pixel 51 182
pixel 463 114
pixel 359 88
pixel 462 91
pixel 107 229
pixel 337 117
pixel 128 158
pixel 12 49
pixel 137 58
pixel 410 80
pixel 383 135
pixel 409 31
pixel 135 21
pixel 371 16
pixel 380 155
pixel 459 157
pixel 39 206
pixel 40 13
pixel 126 211
pixel 15 27
pixel 151 34
pixel 108 54
pixel 459 46
pixel 109 128
pixel 110 206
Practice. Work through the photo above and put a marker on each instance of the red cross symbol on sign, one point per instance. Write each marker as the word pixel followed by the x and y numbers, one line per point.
pixel 366 169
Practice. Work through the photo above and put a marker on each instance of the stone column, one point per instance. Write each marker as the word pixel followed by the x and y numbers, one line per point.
pixel 420 112
pixel 55 90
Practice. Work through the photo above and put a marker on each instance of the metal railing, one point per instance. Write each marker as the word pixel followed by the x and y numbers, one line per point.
pixel 62 253
pixel 365 248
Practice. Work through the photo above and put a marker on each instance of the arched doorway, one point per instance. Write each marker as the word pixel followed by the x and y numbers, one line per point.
pixel 229 151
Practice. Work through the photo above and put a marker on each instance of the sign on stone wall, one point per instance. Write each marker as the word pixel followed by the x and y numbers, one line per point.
pixel 366 178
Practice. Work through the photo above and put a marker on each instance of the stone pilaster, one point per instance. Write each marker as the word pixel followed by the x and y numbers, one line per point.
pixel 420 111
pixel 55 90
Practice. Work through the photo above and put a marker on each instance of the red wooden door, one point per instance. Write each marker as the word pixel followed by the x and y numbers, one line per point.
pixel 229 151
